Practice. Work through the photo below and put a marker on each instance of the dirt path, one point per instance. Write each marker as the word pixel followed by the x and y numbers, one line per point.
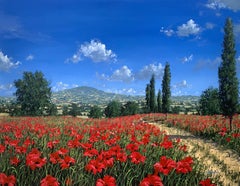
pixel 221 164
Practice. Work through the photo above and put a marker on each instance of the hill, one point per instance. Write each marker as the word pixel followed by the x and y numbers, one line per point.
pixel 89 95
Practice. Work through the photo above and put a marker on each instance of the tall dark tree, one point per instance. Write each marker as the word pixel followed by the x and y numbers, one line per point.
pixel 166 91
pixel 147 98
pixel 209 102
pixel 113 109
pixel 95 112
pixel 33 94
pixel 74 110
pixel 228 81
pixel 152 94
pixel 159 101
pixel 130 108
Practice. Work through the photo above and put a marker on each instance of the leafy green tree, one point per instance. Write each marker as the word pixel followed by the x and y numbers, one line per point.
pixel 95 112
pixel 209 102
pixel 74 110
pixel 130 108
pixel 113 109
pixel 228 81
pixel 159 101
pixel 65 110
pixel 166 91
pixel 147 98
pixel 152 94
pixel 33 94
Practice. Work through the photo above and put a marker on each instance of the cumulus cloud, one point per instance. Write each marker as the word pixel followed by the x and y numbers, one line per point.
pixel 187 29
pixel 124 74
pixel 30 57
pixel 59 86
pixel 167 32
pixel 94 50
pixel 6 63
pixel 182 84
pixel 127 91
pixel 187 58
pixel 223 4
pixel 6 87
pixel 147 71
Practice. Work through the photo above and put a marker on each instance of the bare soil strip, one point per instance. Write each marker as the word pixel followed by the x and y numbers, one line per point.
pixel 223 165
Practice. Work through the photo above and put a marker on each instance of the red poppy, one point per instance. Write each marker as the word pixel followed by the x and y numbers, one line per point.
pixel 49 181
pixel 106 181
pixel 33 159
pixel 206 182
pixel 167 144
pixel 137 158
pixel 132 147
pixel 9 180
pixel 151 180
pixel 95 166
pixel 14 161
pixel 164 166
pixel 2 148
pixel 184 166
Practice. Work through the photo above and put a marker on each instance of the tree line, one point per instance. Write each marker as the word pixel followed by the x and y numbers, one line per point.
pixel 33 92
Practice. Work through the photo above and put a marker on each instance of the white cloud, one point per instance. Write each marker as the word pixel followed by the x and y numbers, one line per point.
pixel 30 57
pixel 208 63
pixel 95 50
pixel 190 28
pixel 6 87
pixel 209 25
pixel 124 74
pixel 167 32
pixel 236 30
pixel 182 84
pixel 238 59
pixel 224 4
pixel 187 58
pixel 6 62
pixel 59 86
pixel 126 91
pixel 147 71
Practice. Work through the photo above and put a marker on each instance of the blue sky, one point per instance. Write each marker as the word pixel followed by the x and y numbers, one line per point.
pixel 115 45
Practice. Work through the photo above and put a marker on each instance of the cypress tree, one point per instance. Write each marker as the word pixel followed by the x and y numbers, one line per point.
pixel 152 94
pixel 228 81
pixel 166 91
pixel 159 102
pixel 147 98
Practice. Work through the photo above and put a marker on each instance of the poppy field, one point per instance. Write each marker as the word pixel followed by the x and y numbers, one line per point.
pixel 72 151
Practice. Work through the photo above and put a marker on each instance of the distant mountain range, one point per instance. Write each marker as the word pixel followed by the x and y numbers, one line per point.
pixel 93 96
pixel 89 95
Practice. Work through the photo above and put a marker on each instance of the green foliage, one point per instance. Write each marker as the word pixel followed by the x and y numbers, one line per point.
pixel 130 108
pixel 113 109
pixel 159 101
pixel 95 112
pixel 33 95
pixel 152 94
pixel 147 98
pixel 228 81
pixel 65 110
pixel 166 91
pixel 74 111
pixel 209 102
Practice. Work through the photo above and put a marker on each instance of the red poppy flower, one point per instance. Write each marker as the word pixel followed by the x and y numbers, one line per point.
pixel 9 180
pixel 49 181
pixel 151 180
pixel 106 181
pixel 95 166
pixel 206 182
pixel 2 148
pixel 33 159
pixel 137 158
pixel 184 166
pixel 164 166
pixel 14 161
